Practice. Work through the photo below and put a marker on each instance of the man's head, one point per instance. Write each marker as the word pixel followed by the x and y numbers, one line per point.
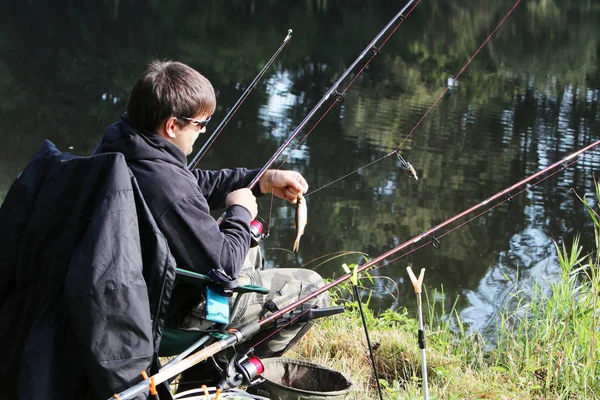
pixel 173 100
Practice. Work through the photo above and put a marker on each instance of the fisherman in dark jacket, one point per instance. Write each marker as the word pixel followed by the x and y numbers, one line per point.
pixel 168 108
pixel 156 136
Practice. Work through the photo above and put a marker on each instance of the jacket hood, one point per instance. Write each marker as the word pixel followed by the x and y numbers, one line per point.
pixel 137 144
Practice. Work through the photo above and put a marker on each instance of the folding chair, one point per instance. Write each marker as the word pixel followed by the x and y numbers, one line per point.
pixel 182 342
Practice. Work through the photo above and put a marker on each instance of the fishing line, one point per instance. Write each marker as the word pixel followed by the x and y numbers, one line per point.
pixel 339 179
pixel 270 215
pixel 435 102
pixel 368 338
pixel 331 256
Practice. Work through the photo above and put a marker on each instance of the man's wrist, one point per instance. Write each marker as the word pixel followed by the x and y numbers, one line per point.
pixel 238 210
pixel 264 183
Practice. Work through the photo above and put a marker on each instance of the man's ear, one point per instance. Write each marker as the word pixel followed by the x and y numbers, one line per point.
pixel 168 127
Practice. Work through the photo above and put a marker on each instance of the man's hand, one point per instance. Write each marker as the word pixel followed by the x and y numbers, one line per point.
pixel 286 185
pixel 243 197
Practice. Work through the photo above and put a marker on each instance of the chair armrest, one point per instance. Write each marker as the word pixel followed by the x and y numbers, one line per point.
pixel 201 280
pixel 193 278
pixel 251 289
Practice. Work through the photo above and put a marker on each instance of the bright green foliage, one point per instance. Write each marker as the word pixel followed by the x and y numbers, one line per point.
pixel 557 339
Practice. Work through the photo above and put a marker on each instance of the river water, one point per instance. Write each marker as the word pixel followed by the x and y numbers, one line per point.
pixel 528 99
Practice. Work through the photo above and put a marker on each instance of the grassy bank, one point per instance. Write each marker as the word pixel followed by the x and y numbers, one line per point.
pixel 545 348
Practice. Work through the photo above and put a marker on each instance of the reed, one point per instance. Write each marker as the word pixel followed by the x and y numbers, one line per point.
pixel 557 337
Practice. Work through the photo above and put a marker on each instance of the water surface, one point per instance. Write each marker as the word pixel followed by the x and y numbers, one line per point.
pixel 528 99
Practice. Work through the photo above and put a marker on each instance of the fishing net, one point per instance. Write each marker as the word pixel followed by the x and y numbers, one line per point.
pixel 288 379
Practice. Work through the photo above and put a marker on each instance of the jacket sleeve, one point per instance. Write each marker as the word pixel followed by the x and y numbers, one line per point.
pixel 215 185
pixel 200 244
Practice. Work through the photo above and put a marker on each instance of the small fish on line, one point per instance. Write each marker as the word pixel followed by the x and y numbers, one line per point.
pixel 300 220
pixel 408 167
pixel 411 171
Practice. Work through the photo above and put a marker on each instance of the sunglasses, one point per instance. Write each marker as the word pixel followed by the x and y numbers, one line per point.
pixel 201 123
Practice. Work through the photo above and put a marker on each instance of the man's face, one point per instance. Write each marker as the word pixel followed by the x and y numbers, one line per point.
pixel 188 131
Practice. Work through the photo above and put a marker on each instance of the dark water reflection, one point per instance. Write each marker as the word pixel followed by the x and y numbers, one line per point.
pixel 528 99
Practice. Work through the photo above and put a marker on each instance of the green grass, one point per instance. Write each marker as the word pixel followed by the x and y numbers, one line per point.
pixel 545 348
pixel 557 339
pixel 457 367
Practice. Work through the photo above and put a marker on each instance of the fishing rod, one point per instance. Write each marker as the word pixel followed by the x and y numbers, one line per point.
pixel 237 105
pixel 252 328
pixel 333 89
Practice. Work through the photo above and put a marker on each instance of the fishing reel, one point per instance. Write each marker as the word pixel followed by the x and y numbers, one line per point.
pixel 243 371
pixel 257 232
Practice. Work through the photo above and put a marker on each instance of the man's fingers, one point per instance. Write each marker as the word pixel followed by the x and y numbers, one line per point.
pixel 302 184
pixel 292 195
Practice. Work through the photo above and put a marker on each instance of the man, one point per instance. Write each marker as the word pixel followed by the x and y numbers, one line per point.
pixel 168 108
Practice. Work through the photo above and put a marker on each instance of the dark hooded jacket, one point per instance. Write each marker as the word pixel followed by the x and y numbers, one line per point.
pixel 86 280
pixel 181 200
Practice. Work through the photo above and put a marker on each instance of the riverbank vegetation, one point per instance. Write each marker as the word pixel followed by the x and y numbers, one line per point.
pixel 546 346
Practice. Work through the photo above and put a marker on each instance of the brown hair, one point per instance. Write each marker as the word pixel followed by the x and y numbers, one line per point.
pixel 169 88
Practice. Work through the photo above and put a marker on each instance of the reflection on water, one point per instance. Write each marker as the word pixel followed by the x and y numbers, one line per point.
pixel 529 262
pixel 528 99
